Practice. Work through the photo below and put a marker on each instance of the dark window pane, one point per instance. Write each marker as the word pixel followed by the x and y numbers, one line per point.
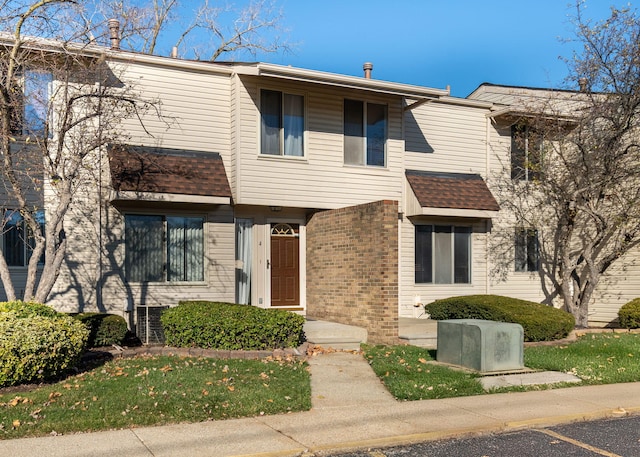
pixel 271 114
pixel 518 152
pixel 353 132
pixel 13 240
pixel 144 248
pixel 423 254
pixel 376 134
pixel 462 255
pixel 533 262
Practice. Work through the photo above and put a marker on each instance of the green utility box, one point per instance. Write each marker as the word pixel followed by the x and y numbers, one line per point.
pixel 481 345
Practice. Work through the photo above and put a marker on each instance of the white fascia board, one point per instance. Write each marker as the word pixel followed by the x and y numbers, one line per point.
pixel 333 79
pixel 169 198
pixel 455 212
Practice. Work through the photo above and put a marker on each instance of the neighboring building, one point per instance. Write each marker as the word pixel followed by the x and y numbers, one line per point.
pixel 337 197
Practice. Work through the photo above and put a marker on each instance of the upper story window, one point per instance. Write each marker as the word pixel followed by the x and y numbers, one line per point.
pixel 31 110
pixel 365 133
pixel 164 248
pixel 442 254
pixel 527 254
pixel 526 152
pixel 282 123
pixel 17 242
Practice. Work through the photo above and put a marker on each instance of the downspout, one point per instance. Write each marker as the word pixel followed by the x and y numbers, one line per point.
pixel 488 222
pixel 99 298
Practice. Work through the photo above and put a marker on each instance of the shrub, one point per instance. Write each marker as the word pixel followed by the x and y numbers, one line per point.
pixel 35 348
pixel 104 329
pixel 27 309
pixel 539 322
pixel 629 314
pixel 229 326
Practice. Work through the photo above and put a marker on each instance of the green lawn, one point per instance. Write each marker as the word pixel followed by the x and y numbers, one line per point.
pixel 156 390
pixel 410 373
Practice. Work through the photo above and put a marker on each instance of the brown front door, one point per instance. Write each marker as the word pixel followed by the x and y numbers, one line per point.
pixel 285 266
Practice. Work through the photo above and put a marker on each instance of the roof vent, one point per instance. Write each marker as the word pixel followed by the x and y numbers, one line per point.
pixel 367 67
pixel 114 33
pixel 584 84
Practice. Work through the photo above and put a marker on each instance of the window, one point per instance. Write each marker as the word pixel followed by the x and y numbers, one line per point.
pixel 164 248
pixel 31 109
pixel 442 254
pixel 17 244
pixel 526 153
pixel 365 133
pixel 282 126
pixel 527 255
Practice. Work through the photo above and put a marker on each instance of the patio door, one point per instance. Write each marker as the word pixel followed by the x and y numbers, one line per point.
pixel 285 265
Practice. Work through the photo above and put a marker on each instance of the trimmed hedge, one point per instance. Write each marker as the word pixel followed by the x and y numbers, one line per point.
pixel 28 309
pixel 539 322
pixel 629 314
pixel 104 329
pixel 36 348
pixel 228 326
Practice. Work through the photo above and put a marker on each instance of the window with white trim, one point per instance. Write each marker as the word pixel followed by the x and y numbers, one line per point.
pixel 31 107
pixel 162 248
pixel 526 152
pixel 17 242
pixel 365 133
pixel 442 254
pixel 527 253
pixel 282 123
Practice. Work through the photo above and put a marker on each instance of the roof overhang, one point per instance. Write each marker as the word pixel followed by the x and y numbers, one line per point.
pixel 449 195
pixel 131 196
pixel 337 80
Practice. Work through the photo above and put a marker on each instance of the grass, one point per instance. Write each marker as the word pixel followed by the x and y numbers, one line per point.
pixel 604 358
pixel 156 390
pixel 409 372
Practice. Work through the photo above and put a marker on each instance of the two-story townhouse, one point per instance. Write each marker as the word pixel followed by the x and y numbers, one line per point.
pixel 338 197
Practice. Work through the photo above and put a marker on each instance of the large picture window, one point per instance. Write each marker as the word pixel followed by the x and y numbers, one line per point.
pixel 17 242
pixel 527 256
pixel 365 133
pixel 282 125
pixel 442 254
pixel 164 248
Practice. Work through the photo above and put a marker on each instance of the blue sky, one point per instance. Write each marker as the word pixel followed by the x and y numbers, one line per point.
pixel 435 43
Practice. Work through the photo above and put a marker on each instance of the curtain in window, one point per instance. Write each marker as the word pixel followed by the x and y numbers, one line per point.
pixel 442 255
pixel 185 249
pixel 293 124
pixel 144 248
pixel 244 248
pixel 271 114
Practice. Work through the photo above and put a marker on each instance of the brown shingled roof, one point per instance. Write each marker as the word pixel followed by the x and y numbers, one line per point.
pixel 451 190
pixel 162 170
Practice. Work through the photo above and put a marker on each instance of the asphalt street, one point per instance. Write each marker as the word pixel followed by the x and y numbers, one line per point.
pixel 611 438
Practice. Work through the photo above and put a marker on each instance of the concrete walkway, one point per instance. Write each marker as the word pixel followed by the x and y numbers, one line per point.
pixel 350 410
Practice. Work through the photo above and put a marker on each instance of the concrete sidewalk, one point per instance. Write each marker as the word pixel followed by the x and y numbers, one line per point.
pixel 350 410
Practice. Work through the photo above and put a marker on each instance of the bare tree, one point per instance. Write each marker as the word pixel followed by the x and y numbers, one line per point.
pixel 582 193
pixel 203 30
pixel 59 104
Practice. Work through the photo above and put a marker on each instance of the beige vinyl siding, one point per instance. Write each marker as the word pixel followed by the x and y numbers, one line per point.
pixel 430 292
pixel 455 135
pixel 194 107
pixel 320 179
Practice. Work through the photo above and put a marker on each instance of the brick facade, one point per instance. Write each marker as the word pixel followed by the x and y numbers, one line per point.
pixel 352 268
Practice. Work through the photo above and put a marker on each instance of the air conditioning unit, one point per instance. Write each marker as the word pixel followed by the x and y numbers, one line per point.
pixel 484 346
pixel 148 326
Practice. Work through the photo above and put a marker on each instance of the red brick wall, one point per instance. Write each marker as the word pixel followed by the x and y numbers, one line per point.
pixel 352 268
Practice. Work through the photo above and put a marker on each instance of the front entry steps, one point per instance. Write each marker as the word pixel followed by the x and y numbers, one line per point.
pixel 418 332
pixel 333 335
